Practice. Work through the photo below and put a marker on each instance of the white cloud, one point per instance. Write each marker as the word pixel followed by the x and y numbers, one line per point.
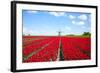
pixel 73 22
pixel 72 17
pixel 82 17
pixel 57 14
pixel 78 22
pixel 32 12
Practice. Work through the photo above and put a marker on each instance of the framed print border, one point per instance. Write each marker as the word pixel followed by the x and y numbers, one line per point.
pixel 14 35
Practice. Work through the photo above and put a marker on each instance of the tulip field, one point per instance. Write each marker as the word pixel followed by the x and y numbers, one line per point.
pixel 55 48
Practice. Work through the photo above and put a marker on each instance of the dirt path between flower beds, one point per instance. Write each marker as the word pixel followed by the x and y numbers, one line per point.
pixel 60 56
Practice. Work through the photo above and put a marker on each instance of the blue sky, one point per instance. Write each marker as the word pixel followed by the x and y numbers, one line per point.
pixel 50 22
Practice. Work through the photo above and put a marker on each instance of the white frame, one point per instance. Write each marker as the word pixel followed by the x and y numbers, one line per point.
pixel 53 7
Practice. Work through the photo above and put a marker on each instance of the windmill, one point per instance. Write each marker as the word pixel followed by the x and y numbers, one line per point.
pixel 59 33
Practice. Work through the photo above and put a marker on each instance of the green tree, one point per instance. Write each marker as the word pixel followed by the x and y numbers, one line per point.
pixel 86 34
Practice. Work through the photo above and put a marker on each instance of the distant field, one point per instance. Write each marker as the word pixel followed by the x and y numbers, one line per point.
pixel 55 48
